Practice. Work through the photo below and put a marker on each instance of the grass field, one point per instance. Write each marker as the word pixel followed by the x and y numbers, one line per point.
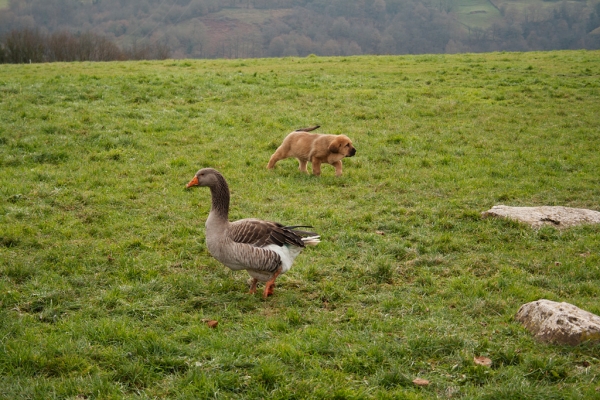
pixel 106 283
pixel 482 14
pixel 477 13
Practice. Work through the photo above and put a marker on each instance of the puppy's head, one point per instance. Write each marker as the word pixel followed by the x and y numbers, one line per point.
pixel 342 145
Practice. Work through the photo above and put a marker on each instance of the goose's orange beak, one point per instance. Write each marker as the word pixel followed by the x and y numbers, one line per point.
pixel 193 182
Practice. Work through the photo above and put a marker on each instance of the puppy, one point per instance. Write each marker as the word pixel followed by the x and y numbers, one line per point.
pixel 314 147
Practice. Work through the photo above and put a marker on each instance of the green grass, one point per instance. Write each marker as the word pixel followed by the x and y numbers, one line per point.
pixel 105 279
pixel 477 13
pixel 483 14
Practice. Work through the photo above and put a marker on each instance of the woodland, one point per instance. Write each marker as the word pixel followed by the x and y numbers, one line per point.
pixel 278 28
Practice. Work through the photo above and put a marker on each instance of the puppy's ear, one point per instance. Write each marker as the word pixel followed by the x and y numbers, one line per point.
pixel 335 145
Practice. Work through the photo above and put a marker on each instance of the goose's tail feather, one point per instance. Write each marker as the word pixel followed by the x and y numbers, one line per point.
pixel 299 232
pixel 311 240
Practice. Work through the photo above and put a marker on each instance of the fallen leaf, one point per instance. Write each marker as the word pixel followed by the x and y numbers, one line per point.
pixel 380 233
pixel 481 360
pixel 421 382
pixel 212 323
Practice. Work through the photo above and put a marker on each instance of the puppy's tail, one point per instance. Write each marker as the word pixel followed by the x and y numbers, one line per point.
pixel 312 128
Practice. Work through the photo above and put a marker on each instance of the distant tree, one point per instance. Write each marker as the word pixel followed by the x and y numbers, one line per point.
pixel 379 8
pixel 340 28
pixel 453 47
pixel 350 48
pixel 387 45
pixel 304 45
pixel 276 47
pixel 197 8
pixel 25 46
pixel 61 46
pixel 366 36
pixel 147 52
pixel 593 21
pixel 290 50
pixel 330 48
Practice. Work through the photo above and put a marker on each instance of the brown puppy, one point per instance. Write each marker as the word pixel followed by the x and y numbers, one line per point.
pixel 314 147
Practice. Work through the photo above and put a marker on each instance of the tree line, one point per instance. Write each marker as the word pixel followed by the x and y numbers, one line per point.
pixel 136 29
pixel 31 46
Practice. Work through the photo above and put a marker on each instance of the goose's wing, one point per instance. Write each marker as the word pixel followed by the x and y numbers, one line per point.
pixel 263 233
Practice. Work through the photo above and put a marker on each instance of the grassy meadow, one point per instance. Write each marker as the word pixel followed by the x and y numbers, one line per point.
pixel 106 284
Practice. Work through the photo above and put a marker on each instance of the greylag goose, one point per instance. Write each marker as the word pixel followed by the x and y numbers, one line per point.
pixel 265 249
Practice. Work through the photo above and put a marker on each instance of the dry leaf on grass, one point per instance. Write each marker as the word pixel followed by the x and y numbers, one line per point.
pixel 421 382
pixel 481 360
pixel 211 323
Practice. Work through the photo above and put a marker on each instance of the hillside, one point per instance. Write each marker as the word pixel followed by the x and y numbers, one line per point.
pixel 107 286
pixel 259 28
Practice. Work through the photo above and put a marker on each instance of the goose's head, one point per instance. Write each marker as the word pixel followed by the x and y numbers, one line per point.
pixel 206 177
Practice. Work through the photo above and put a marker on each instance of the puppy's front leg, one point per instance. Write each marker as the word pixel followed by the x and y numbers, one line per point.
pixel 338 168
pixel 279 155
pixel 273 160
pixel 316 166
pixel 302 166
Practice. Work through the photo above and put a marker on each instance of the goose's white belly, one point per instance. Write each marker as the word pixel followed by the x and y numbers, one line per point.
pixel 287 255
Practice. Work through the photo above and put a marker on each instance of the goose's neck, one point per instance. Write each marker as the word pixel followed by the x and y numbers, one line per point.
pixel 220 199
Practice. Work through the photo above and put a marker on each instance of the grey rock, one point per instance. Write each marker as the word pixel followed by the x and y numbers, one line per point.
pixel 558 216
pixel 560 323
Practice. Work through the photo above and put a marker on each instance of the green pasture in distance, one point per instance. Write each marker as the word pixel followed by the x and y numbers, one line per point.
pixel 476 13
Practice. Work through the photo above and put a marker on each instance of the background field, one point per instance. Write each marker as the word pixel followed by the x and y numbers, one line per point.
pixel 105 280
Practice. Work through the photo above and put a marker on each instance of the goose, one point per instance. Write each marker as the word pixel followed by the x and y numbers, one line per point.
pixel 265 249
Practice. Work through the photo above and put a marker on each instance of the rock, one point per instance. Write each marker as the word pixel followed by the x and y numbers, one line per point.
pixel 560 323
pixel 560 217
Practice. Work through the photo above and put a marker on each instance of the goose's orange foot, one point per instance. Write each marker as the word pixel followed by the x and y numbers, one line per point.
pixel 253 286
pixel 270 284
pixel 268 291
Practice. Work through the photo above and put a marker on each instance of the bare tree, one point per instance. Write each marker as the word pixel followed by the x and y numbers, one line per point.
pixel 61 46
pixel 25 46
